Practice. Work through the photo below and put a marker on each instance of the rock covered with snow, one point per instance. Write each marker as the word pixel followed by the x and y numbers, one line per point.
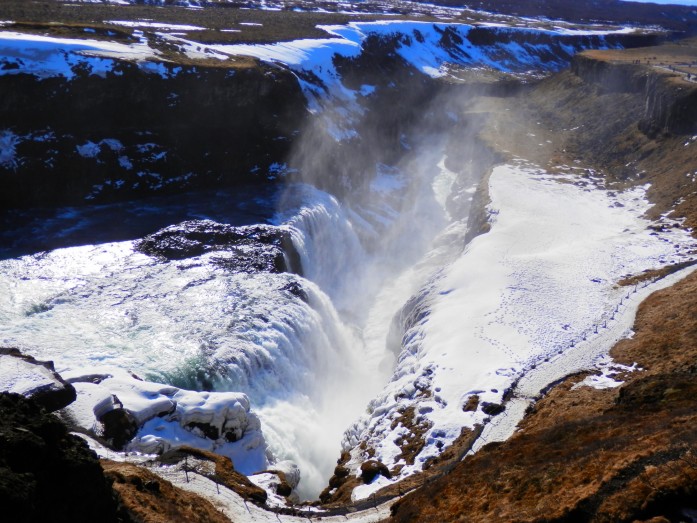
pixel 252 248
pixel 38 380
pixel 151 418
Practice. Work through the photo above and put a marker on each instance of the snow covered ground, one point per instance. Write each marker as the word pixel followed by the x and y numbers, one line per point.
pixel 540 283
pixel 46 56
pixel 427 46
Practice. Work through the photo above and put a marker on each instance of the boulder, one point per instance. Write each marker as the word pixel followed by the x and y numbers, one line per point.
pixel 249 248
pixel 492 409
pixel 38 380
pixel 372 468
pixel 120 427
pixel 46 474
pixel 471 404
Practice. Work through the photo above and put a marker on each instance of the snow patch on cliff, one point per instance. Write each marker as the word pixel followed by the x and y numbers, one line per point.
pixel 169 417
pixel 46 56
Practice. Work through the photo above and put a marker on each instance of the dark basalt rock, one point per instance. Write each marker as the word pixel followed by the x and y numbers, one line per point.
pixel 284 489
pixel 372 468
pixel 46 474
pixel 492 409
pixel 341 472
pixel 249 248
pixel 50 396
pixel 189 128
pixel 120 427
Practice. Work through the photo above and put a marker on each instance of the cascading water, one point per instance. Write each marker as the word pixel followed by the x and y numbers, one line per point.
pixel 310 351
pixel 362 253
pixel 308 370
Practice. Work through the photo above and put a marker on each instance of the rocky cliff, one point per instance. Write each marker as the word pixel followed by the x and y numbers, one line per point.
pixel 46 473
pixel 137 131
pixel 670 98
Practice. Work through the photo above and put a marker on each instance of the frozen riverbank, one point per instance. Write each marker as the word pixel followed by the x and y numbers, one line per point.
pixel 542 281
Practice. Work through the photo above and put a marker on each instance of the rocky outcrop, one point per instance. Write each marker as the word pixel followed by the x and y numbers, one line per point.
pixel 222 472
pixel 138 131
pixel 253 248
pixel 670 102
pixel 114 408
pixel 38 380
pixel 671 106
pixel 47 474
pixel 372 468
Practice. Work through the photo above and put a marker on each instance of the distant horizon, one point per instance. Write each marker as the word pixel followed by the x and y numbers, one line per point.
pixel 665 2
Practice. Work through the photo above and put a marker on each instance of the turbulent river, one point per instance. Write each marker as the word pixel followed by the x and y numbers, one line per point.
pixel 309 361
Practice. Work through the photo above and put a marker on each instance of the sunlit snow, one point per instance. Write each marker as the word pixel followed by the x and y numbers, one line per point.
pixel 541 281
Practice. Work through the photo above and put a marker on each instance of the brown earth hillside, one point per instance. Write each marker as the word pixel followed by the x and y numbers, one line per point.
pixel 615 115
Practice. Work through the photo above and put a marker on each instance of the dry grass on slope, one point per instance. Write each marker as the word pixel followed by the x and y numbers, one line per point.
pixel 625 454
pixel 146 498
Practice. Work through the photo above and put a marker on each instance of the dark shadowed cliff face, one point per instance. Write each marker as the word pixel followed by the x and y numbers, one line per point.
pixel 47 474
pixel 161 127
pixel 137 131
pixel 670 102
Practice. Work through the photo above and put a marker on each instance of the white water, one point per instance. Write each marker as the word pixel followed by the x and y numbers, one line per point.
pixel 308 370
pixel 362 257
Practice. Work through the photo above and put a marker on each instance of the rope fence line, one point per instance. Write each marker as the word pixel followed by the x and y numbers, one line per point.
pixel 602 322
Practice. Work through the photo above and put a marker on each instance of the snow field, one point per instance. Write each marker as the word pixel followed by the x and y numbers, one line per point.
pixel 589 355
pixel 46 56
pixel 538 283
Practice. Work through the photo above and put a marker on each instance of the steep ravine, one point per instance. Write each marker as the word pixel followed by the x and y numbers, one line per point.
pixel 390 135
pixel 623 453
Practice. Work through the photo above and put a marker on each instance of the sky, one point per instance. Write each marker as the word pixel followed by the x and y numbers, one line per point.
pixel 679 2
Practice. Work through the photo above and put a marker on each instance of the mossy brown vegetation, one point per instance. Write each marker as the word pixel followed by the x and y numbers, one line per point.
pixel 146 498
